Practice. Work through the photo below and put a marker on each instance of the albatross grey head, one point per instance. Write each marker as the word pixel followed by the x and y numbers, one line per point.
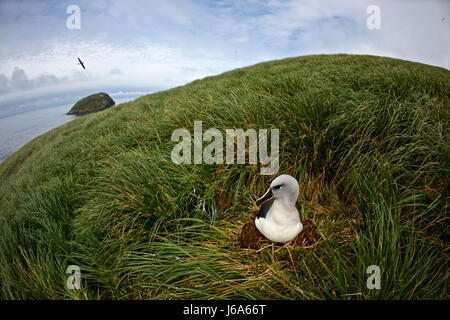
pixel 284 189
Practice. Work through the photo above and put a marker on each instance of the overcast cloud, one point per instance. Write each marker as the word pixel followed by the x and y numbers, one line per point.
pixel 164 43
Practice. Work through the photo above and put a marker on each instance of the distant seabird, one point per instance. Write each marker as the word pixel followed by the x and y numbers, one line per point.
pixel 82 63
pixel 279 216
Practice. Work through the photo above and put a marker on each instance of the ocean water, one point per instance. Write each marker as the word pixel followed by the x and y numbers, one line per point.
pixel 17 130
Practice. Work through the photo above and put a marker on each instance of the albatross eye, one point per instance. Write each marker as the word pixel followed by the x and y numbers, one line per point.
pixel 277 187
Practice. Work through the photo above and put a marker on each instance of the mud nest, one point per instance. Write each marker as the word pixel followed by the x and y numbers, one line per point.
pixel 250 238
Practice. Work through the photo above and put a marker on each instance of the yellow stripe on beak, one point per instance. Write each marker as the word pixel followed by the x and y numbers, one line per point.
pixel 266 197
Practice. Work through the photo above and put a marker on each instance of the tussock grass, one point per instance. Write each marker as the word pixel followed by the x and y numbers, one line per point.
pixel 367 138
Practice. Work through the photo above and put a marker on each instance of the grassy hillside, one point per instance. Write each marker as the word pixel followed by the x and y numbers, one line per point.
pixel 367 138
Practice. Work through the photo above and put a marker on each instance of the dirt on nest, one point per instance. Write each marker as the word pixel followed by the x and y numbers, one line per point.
pixel 250 238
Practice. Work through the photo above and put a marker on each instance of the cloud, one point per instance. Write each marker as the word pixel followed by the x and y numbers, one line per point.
pixel 19 80
pixel 49 79
pixel 128 93
pixel 116 71
pixel 167 43
pixel 3 84
pixel 147 65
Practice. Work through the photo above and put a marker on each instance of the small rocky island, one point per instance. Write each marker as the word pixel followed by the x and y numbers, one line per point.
pixel 93 103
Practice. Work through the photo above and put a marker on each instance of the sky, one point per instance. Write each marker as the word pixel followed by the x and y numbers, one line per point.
pixel 139 46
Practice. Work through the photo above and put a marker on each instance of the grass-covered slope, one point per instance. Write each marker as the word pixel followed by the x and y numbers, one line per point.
pixel 367 137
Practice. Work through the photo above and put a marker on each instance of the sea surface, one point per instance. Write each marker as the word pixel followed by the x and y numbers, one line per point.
pixel 17 130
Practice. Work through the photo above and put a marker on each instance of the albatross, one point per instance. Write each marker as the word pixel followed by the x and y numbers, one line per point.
pixel 279 214
pixel 81 63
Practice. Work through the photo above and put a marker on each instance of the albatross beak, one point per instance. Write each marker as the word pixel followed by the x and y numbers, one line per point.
pixel 266 197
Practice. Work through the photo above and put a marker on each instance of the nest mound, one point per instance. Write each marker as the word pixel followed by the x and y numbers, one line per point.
pixel 250 238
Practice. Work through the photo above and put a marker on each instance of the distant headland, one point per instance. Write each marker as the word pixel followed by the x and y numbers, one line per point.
pixel 93 103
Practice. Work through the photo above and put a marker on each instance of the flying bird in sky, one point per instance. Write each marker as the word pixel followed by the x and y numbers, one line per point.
pixel 82 64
